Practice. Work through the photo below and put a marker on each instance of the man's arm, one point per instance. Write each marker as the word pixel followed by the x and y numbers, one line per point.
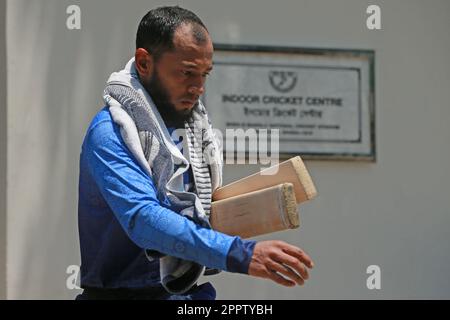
pixel 131 195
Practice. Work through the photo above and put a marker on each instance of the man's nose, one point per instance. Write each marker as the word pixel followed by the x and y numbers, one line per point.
pixel 197 88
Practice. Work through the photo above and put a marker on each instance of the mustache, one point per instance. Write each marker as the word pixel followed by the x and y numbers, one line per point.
pixel 191 98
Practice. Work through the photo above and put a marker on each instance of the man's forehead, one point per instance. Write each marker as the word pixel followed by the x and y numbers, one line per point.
pixel 187 41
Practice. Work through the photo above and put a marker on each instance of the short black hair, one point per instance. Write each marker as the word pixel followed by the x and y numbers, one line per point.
pixel 157 27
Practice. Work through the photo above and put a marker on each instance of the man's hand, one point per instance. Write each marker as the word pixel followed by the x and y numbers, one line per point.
pixel 281 262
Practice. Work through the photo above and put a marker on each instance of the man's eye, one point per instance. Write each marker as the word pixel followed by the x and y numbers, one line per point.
pixel 206 74
pixel 187 73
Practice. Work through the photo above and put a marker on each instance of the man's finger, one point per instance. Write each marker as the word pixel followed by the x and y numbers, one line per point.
pixel 299 254
pixel 295 264
pixel 279 279
pixel 288 272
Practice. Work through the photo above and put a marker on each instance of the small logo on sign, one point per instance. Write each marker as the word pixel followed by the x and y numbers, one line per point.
pixel 283 81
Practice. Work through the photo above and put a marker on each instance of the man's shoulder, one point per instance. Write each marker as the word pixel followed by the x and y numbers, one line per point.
pixel 102 123
pixel 102 129
pixel 103 116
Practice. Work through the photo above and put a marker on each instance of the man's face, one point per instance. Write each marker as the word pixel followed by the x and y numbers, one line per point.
pixel 178 77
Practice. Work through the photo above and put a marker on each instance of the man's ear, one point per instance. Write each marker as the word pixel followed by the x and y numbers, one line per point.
pixel 144 63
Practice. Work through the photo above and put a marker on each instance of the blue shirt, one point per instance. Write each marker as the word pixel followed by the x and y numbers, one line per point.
pixel 119 215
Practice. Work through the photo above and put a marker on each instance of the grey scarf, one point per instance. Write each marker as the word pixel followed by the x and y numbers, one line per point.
pixel 148 139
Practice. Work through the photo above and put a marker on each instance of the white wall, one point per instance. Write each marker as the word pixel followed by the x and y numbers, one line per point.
pixel 3 131
pixel 393 213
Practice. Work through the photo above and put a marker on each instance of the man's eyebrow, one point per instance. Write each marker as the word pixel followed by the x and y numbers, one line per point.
pixel 194 65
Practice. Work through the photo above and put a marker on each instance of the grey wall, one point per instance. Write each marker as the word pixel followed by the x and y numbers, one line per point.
pixel 393 213
pixel 3 150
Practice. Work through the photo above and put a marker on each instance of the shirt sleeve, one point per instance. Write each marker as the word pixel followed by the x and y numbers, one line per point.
pixel 131 195
pixel 240 255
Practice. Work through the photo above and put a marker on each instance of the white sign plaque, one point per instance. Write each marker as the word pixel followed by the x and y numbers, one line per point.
pixel 320 100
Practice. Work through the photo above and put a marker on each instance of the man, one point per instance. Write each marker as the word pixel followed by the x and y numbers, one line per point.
pixel 144 197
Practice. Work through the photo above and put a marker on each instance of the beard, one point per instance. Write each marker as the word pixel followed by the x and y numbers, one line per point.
pixel 161 98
